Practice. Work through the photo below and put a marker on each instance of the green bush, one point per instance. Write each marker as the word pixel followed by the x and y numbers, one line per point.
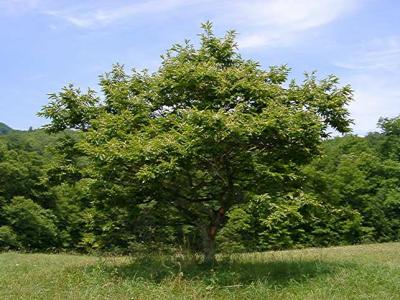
pixel 290 221
pixel 8 238
pixel 33 225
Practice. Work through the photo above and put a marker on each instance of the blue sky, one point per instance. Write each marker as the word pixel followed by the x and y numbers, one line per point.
pixel 47 44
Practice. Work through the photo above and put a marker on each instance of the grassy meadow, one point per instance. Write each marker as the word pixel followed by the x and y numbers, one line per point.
pixel 351 272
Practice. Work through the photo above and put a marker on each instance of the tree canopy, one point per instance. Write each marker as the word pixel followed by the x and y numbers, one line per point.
pixel 205 132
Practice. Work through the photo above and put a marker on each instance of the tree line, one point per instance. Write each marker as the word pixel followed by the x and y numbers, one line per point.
pixel 350 194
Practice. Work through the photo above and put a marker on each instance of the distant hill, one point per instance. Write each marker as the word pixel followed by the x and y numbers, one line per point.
pixel 4 129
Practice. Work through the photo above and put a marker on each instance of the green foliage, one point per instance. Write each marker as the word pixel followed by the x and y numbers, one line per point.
pixel 34 226
pixel 291 221
pixel 196 134
pixel 351 195
pixel 70 109
pixel 8 238
pixel 356 173
pixel 390 126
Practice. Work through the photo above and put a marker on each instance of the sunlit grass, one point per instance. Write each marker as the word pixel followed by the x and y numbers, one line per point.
pixel 354 272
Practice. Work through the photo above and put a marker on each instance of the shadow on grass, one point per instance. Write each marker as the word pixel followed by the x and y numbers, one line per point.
pixel 272 272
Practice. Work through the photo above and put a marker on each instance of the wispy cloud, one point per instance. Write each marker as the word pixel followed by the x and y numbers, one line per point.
pixel 279 22
pixel 378 54
pixel 96 16
pixel 259 22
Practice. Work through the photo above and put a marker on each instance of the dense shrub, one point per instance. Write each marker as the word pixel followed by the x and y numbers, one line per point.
pixel 33 225
pixel 8 238
pixel 290 221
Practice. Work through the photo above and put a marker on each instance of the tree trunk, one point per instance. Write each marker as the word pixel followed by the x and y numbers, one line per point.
pixel 209 233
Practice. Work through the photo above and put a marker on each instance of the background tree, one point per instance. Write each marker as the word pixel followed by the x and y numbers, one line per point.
pixel 205 132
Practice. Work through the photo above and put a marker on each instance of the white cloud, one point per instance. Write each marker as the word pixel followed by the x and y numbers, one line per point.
pixel 259 22
pixel 293 14
pixel 94 17
pixel 280 22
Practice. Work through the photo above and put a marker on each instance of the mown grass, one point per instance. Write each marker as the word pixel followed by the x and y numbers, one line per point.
pixel 353 272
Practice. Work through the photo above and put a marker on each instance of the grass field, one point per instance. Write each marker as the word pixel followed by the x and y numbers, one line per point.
pixel 353 272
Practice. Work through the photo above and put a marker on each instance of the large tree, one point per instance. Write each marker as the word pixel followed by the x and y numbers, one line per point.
pixel 208 130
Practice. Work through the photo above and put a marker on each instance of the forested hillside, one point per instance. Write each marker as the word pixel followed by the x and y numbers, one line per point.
pixel 4 129
pixel 350 194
